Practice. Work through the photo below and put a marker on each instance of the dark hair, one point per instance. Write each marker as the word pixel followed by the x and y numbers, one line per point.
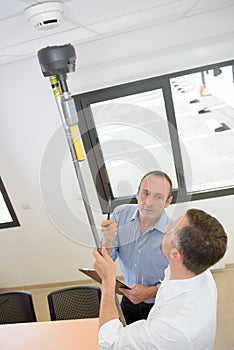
pixel 160 174
pixel 203 243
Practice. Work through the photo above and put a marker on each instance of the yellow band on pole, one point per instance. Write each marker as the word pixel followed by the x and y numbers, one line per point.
pixel 55 86
pixel 75 134
pixel 77 142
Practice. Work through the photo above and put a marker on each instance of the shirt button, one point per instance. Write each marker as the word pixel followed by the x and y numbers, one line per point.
pixel 138 250
pixel 135 265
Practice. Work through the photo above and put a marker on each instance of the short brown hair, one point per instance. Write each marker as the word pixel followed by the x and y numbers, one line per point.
pixel 160 174
pixel 203 243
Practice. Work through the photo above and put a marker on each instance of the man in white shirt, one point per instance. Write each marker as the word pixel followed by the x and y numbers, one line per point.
pixel 184 314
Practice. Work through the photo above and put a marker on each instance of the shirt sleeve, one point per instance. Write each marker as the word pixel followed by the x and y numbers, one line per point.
pixel 108 333
pixel 142 335
pixel 114 252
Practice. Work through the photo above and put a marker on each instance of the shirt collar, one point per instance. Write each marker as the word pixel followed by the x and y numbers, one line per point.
pixel 172 288
pixel 159 225
pixel 134 215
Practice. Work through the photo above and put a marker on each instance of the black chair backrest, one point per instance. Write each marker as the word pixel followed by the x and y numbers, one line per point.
pixel 74 303
pixel 16 307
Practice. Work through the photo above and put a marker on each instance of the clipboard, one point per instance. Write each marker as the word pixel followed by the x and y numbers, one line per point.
pixel 94 275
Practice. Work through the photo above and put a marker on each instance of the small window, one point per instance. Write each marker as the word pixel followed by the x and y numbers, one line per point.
pixel 7 214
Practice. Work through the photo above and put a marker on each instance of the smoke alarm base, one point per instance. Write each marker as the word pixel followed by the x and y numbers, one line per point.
pixel 45 15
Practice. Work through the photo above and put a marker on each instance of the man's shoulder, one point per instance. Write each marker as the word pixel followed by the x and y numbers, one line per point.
pixel 125 209
pixel 164 216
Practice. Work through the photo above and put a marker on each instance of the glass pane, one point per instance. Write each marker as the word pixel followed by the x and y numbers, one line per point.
pixel 134 137
pixel 204 108
pixel 5 216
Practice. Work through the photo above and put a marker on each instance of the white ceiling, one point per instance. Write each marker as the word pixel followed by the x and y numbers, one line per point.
pixel 91 20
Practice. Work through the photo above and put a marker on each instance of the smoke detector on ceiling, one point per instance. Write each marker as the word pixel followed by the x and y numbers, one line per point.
pixel 46 15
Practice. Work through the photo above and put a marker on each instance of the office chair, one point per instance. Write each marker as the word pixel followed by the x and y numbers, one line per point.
pixel 16 307
pixel 74 302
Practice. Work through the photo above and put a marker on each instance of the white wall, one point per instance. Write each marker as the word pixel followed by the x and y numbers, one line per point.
pixel 45 247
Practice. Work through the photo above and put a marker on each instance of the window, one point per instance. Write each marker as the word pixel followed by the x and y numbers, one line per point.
pixel 204 109
pixel 7 215
pixel 180 123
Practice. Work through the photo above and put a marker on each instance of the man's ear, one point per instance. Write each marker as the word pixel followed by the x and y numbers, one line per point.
pixel 168 202
pixel 175 255
pixel 137 195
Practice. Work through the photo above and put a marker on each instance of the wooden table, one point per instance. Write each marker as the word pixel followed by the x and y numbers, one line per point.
pixel 52 335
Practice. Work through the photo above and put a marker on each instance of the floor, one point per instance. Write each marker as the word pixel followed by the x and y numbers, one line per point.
pixel 225 320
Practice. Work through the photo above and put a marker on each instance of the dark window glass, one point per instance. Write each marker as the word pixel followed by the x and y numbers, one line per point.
pixel 7 215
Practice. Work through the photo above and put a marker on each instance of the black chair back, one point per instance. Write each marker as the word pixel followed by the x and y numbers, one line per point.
pixel 74 303
pixel 16 307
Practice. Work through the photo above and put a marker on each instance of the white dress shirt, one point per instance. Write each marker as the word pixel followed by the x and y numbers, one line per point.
pixel 183 318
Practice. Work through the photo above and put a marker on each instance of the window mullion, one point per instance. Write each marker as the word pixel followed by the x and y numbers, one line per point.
pixel 182 193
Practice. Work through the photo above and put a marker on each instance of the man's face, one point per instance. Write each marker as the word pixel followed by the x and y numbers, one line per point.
pixel 171 231
pixel 153 197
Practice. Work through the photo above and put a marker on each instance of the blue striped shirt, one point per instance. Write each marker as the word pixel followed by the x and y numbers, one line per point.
pixel 140 256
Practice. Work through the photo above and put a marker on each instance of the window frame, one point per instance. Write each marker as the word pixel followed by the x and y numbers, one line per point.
pixel 93 148
pixel 15 221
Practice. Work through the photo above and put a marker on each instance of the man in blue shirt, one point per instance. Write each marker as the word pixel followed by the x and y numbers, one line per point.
pixel 134 235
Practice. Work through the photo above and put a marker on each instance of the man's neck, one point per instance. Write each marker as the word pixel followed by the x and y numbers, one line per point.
pixel 146 224
pixel 180 273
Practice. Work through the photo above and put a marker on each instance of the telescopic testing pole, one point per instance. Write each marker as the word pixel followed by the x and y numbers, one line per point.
pixel 56 62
